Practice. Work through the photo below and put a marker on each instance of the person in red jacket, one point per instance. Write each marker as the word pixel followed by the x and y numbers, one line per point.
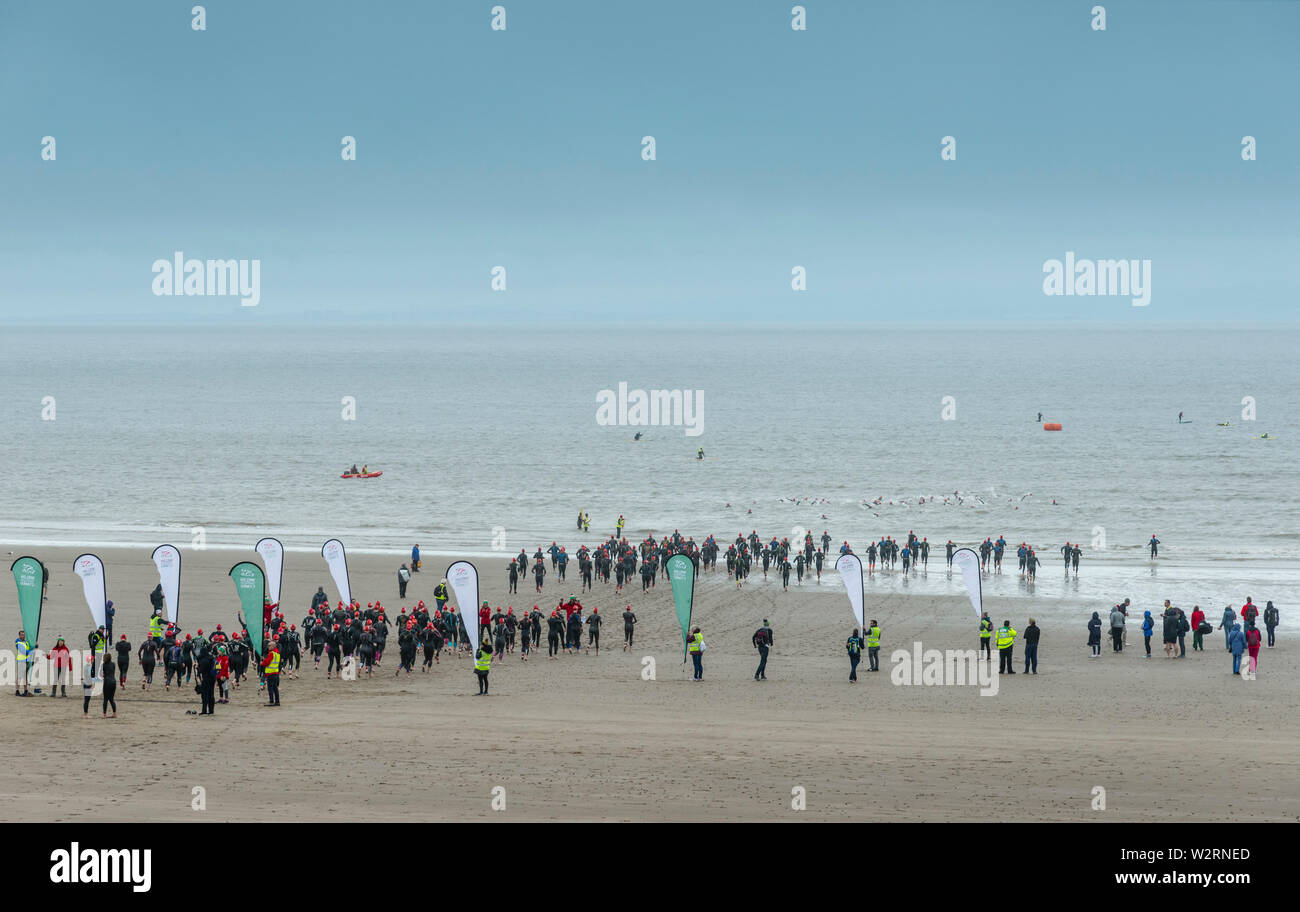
pixel 1248 614
pixel 1198 618
pixel 1252 646
pixel 484 622
pixel 223 674
pixel 62 658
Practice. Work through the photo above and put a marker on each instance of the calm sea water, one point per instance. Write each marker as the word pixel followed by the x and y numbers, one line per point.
pixel 240 432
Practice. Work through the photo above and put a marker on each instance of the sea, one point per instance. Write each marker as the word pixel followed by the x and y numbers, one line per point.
pixel 490 440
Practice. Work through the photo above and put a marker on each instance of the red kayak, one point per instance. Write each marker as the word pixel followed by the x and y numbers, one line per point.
pixel 359 475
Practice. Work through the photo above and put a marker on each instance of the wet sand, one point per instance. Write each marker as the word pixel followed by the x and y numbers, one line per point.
pixel 587 738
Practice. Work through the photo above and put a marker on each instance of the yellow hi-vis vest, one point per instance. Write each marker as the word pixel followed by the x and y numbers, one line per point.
pixel 483 661
pixel 694 643
pixel 986 629
pixel 21 648
pixel 155 627
pixel 99 645
pixel 873 637
pixel 1006 636
pixel 273 667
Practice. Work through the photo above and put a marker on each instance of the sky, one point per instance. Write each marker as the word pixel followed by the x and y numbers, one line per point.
pixel 522 148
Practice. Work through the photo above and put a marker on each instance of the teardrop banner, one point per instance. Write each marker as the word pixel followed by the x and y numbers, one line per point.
pixel 273 557
pixel 968 562
pixel 91 570
pixel 462 576
pixel 681 573
pixel 29 574
pixel 168 559
pixel 850 567
pixel 250 586
pixel 337 560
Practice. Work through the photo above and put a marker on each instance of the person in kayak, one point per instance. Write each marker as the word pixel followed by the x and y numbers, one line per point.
pixel 352 471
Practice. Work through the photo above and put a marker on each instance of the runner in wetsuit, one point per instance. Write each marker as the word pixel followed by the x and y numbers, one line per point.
pixel 334 651
pixel 123 648
pixel 629 623
pixel 554 630
pixel 148 656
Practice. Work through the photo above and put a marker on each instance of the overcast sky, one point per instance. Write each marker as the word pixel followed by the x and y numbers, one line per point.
pixel 775 148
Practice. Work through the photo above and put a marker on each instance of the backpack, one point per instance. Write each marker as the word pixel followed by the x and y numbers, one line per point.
pixel 760 637
pixel 855 646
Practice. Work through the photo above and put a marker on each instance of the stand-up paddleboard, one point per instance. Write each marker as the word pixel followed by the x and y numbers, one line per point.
pixel 359 475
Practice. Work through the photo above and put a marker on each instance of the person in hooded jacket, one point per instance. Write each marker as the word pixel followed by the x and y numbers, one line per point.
pixel 1270 621
pixel 1094 634
pixel 1116 629
pixel 1237 646
pixel 1170 626
pixel 1229 618
pixel 1148 628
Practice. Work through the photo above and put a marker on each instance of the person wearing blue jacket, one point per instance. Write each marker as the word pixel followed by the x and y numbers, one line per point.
pixel 415 559
pixel 1229 618
pixel 1237 645
pixel 1148 627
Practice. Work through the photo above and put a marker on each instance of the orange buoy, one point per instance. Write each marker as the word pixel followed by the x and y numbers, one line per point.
pixel 1051 426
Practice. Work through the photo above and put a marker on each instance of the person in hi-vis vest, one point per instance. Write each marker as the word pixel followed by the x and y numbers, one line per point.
pixel 873 646
pixel 97 642
pixel 22 664
pixel 986 632
pixel 1006 646
pixel 695 645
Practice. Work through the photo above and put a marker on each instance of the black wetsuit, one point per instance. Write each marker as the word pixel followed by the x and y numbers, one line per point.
pixel 555 629
pixel 629 623
pixel 110 685
pixel 123 659
pixel 334 644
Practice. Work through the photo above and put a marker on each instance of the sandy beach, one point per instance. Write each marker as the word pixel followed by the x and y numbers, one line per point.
pixel 586 738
